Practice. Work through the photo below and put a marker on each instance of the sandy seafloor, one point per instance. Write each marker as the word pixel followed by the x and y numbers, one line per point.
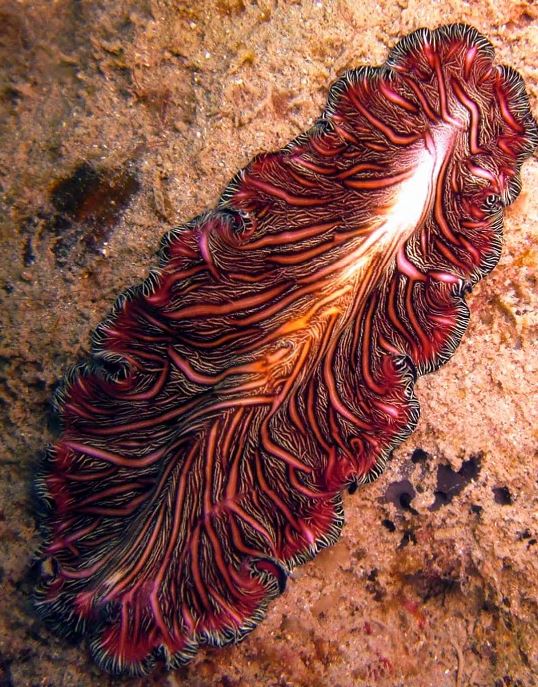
pixel 150 107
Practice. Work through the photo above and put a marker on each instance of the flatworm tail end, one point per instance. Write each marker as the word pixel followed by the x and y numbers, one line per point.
pixel 268 363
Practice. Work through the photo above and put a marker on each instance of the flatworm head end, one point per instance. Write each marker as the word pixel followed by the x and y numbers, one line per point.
pixel 269 362
pixel 489 101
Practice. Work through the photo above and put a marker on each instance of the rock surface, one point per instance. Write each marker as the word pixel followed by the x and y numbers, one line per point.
pixel 121 120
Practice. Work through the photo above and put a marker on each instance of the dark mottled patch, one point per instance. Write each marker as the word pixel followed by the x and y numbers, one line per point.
pixel 429 584
pixel 526 535
pixel 419 456
pixel 6 679
pixel 28 255
pixel 451 483
pixel 508 681
pixel 226 681
pixel 373 585
pixel 408 536
pixel 389 525
pixel 401 494
pixel 88 204
pixel 502 496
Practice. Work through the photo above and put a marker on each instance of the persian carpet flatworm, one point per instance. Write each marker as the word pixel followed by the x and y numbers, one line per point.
pixel 268 363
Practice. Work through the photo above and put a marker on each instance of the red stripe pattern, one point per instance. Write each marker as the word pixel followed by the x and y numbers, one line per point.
pixel 269 362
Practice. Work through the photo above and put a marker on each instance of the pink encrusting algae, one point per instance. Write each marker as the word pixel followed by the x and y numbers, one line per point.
pixel 268 363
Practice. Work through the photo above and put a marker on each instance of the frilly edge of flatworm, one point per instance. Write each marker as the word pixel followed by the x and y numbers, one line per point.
pixel 268 363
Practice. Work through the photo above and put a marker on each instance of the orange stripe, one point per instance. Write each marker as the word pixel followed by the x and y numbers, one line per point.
pixel 238 305
pixel 292 236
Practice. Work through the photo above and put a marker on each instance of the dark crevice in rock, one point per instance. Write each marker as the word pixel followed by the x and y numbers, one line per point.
pixel 502 496
pixel 450 483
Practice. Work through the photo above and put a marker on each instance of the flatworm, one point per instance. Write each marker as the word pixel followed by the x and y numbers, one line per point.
pixel 268 363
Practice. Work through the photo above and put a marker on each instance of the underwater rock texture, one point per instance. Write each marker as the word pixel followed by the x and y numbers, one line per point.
pixel 123 122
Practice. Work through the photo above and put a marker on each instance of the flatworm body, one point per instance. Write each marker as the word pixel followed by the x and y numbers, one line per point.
pixel 269 362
